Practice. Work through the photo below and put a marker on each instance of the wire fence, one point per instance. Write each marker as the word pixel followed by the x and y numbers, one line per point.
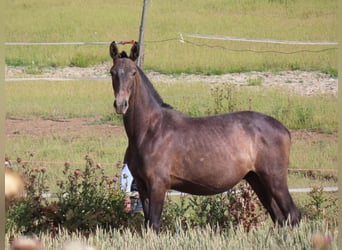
pixel 176 193
pixel 251 40
pixel 181 39
pixel 79 163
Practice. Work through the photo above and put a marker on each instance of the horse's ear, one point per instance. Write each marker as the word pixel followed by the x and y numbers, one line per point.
pixel 113 51
pixel 134 52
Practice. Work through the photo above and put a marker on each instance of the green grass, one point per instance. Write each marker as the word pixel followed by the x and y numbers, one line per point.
pixel 104 20
pixel 262 237
pixel 94 99
pixel 59 99
pixel 314 154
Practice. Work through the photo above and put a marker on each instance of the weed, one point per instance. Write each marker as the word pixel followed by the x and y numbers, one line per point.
pixel 255 81
pixel 303 117
pixel 224 96
pixel 112 118
pixel 83 60
pixel 320 206
pixel 34 70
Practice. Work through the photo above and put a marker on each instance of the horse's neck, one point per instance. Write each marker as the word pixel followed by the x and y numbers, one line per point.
pixel 142 107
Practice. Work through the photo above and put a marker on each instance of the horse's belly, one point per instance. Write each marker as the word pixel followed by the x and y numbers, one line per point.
pixel 204 186
pixel 200 190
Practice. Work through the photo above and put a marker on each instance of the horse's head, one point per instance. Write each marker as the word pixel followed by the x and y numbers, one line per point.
pixel 123 75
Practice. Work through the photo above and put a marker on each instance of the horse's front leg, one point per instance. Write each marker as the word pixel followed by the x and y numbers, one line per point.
pixel 143 195
pixel 146 208
pixel 156 203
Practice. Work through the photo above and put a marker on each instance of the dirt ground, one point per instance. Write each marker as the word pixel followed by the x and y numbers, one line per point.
pixel 38 127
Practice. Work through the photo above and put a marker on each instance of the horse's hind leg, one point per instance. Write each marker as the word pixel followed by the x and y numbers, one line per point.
pixel 265 197
pixel 284 200
pixel 276 183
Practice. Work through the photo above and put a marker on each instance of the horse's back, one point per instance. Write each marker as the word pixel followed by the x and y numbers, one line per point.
pixel 250 122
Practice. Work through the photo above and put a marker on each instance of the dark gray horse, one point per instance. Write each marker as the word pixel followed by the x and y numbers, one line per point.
pixel 201 156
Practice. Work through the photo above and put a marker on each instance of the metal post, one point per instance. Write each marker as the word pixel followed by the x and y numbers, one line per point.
pixel 140 62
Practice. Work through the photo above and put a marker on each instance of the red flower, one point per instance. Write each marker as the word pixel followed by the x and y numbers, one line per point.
pixel 77 172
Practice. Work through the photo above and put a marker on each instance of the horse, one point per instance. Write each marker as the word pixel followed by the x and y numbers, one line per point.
pixel 198 155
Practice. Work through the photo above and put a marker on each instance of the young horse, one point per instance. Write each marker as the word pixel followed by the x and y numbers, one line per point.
pixel 201 156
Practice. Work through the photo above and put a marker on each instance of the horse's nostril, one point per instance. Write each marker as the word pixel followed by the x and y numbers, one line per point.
pixel 126 103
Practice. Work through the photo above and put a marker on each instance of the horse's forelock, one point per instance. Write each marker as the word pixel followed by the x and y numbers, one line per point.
pixel 123 54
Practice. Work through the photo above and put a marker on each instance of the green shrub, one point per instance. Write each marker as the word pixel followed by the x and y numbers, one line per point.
pixel 85 200
pixel 238 207
pixel 88 199
pixel 320 206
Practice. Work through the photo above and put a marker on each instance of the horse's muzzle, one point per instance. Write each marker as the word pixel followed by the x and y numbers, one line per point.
pixel 121 106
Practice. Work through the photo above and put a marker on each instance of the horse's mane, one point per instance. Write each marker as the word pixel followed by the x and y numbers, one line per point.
pixel 152 90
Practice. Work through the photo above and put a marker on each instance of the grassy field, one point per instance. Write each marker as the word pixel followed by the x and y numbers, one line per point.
pixel 265 237
pixel 65 21
pixel 84 99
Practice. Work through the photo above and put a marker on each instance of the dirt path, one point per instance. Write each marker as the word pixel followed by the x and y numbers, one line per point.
pixel 300 82
pixel 38 127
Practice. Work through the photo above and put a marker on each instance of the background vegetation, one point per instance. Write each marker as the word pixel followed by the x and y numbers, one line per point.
pixel 104 21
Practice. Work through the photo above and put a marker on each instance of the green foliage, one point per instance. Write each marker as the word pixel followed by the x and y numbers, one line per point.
pixel 238 207
pixel 255 81
pixel 175 215
pixel 86 199
pixel 333 72
pixel 293 111
pixel 83 60
pixel 321 205
pixel 111 118
pixel 89 198
pixel 224 97
pixel 211 210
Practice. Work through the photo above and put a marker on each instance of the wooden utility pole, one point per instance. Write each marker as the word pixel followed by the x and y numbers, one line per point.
pixel 141 37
